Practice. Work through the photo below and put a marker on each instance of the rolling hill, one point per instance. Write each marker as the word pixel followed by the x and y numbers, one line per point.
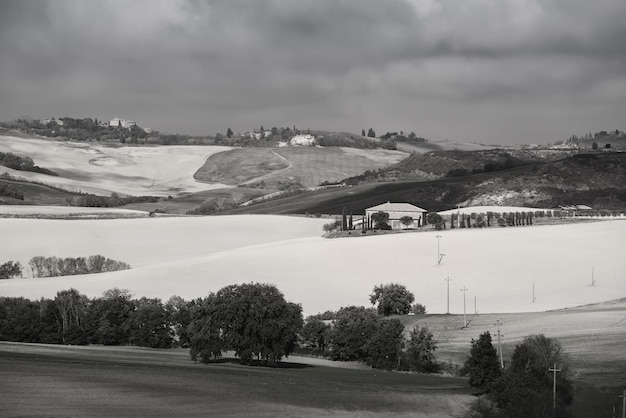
pixel 598 180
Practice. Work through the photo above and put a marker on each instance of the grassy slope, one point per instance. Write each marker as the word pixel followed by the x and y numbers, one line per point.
pixel 37 194
pixel 597 180
pixel 308 165
pixel 94 381
pixel 592 338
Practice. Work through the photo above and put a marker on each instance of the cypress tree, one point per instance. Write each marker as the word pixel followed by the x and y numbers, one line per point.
pixel 482 365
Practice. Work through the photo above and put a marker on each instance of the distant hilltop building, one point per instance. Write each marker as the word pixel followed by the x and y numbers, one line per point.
pixel 303 140
pixel 124 123
pixel 52 120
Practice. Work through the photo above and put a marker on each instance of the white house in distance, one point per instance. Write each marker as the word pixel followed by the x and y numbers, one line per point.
pixel 396 212
pixel 124 123
pixel 305 140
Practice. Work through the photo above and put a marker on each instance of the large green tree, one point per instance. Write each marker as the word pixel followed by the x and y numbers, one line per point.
pixel 72 308
pixel 420 351
pixel 526 387
pixel 253 319
pixel 392 299
pixel 150 324
pixel 482 365
pixel 351 332
pixel 381 220
pixel 10 269
pixel 109 320
pixel 384 347
pixel 314 334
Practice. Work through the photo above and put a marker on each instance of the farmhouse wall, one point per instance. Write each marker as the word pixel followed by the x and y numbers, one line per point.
pixel 395 214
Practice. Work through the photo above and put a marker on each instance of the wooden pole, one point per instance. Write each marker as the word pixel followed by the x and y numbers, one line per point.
pixel 555 370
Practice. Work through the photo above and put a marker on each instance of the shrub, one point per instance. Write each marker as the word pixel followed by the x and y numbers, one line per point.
pixel 418 309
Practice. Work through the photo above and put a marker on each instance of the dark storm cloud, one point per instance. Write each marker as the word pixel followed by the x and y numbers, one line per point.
pixel 444 68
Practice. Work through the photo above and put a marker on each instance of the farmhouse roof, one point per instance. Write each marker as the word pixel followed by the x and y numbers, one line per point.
pixel 575 207
pixel 397 207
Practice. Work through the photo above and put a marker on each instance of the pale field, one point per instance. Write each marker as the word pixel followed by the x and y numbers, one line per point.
pixel 190 257
pixel 30 210
pixel 131 170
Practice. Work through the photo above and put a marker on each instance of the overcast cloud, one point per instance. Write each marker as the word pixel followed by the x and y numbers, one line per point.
pixel 493 71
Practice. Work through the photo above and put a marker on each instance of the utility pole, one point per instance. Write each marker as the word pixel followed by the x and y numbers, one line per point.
pixel 499 346
pixel 464 289
pixel 448 280
pixel 593 280
pixel 439 255
pixel 555 370
pixel 534 298
pixel 475 311
pixel 623 396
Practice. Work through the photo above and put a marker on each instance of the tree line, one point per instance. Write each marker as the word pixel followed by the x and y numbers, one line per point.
pixel 256 322
pixel 20 163
pixel 72 318
pixel 54 266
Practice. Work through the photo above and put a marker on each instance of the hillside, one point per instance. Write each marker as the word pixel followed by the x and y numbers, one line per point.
pixel 286 167
pixel 604 139
pixel 598 180
pixel 455 162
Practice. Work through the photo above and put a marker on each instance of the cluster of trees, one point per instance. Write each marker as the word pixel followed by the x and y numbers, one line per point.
pixel 483 220
pixel 113 319
pixel 361 334
pixel 357 333
pixel 89 200
pixel 53 266
pixel 488 167
pixel 412 137
pixel 10 269
pixel 19 163
pixel 214 205
pixel 525 387
pixel 9 190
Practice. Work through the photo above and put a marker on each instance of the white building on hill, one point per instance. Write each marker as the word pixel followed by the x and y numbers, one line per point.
pixel 124 123
pixel 303 140
pixel 396 212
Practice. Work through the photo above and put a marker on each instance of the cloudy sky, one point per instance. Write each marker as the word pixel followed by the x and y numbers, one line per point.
pixel 491 71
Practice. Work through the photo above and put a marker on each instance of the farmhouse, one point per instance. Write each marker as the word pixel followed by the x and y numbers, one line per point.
pixel 303 140
pixel 119 122
pixel 396 212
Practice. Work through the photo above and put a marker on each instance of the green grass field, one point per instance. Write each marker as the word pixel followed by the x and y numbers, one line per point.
pixel 308 165
pixel 43 380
